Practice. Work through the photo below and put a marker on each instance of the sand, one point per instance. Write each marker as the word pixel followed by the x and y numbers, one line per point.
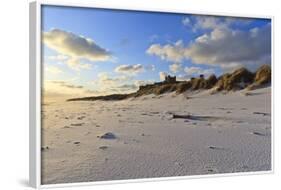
pixel 140 137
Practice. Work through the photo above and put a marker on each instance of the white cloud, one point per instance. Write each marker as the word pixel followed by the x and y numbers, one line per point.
pixel 143 82
pixel 176 67
pixel 170 52
pixel 61 88
pixel 74 47
pixel 58 57
pixel 118 84
pixel 221 47
pixel 76 64
pixel 129 69
pixel 162 75
pixel 150 68
pixel 200 22
pixel 186 21
pixel 53 70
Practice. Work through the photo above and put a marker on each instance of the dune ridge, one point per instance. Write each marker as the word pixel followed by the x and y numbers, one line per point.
pixel 237 80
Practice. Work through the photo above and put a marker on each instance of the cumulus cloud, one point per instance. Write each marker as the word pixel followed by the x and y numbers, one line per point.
pixel 176 67
pixel 76 64
pixel 223 47
pixel 186 21
pixel 170 52
pixel 61 88
pixel 66 84
pixel 202 22
pixel 143 82
pixel 150 68
pixel 107 84
pixel 162 75
pixel 58 57
pixel 53 70
pixel 105 79
pixel 74 46
pixel 129 69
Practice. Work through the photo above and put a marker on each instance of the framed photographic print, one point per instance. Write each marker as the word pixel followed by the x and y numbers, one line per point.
pixel 120 95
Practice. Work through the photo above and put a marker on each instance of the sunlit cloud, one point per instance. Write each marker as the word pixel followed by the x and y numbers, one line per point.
pixel 170 52
pixel 61 88
pixel 162 75
pixel 129 69
pixel 53 70
pixel 202 22
pixel 222 47
pixel 176 67
pixel 76 47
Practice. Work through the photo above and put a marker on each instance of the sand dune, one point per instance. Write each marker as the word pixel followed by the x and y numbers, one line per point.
pixel 156 136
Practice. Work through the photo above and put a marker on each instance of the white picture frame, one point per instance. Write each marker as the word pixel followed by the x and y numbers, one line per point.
pixel 36 83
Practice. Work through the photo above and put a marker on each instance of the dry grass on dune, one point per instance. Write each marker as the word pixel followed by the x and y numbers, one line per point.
pixel 237 80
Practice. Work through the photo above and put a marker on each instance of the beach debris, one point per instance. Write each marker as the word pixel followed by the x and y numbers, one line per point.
pixel 239 121
pixel 77 142
pixel 175 116
pixel 192 117
pixel 261 113
pixel 44 148
pixel 81 117
pixel 76 124
pixel 103 147
pixel 258 133
pixel 215 148
pixel 107 135
pixel 154 112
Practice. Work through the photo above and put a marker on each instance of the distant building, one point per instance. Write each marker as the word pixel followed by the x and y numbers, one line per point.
pixel 170 79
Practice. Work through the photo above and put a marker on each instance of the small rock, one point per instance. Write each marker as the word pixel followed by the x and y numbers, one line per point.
pixel 76 142
pixel 108 135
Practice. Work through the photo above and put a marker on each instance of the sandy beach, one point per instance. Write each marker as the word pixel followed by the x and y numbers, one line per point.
pixel 150 136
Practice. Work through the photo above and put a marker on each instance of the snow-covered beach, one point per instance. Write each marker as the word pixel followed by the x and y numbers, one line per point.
pixel 140 137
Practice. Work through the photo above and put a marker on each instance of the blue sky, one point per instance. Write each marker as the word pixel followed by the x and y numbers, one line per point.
pixel 98 51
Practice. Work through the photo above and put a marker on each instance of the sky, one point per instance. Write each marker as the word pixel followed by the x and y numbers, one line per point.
pixel 91 52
